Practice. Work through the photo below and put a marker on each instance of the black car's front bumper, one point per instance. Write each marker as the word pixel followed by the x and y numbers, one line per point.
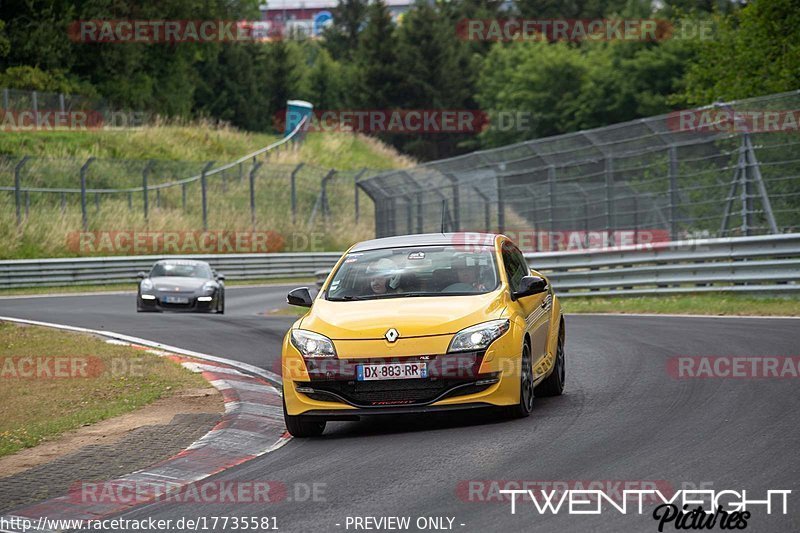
pixel 159 303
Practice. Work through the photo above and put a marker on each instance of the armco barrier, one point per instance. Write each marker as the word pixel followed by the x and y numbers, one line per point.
pixel 104 270
pixel 769 263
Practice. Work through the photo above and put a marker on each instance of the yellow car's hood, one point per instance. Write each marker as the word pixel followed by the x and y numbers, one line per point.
pixel 410 316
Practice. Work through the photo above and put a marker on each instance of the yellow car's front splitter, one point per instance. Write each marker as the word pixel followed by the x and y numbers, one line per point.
pixel 495 381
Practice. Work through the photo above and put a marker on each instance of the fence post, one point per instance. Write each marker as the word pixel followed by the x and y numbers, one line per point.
pixel 204 194
pixel 130 201
pixel 501 211
pixel 18 184
pixel 409 223
pixel 35 104
pixel 551 182
pixel 487 210
pixel 759 179
pixel 355 188
pixel 183 196
pixel 294 192
pixel 145 174
pixel 256 166
pixel 5 99
pixel 326 209
pixel 61 103
pixel 673 194
pixel 158 198
pixel 609 179
pixel 84 217
pixel 456 201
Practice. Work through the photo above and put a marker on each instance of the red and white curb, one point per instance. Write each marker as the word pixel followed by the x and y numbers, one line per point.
pixel 251 426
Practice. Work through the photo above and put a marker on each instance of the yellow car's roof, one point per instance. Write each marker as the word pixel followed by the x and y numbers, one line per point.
pixel 425 239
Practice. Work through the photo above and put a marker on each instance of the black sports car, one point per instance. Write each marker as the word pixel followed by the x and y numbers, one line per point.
pixel 181 285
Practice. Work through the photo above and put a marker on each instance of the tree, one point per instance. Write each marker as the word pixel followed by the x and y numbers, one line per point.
pixel 324 84
pixel 755 51
pixel 378 74
pixel 341 38
pixel 538 79
pixel 571 9
pixel 436 75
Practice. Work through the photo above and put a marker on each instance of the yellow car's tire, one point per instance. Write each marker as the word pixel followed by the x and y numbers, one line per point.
pixel 302 426
pixel 553 385
pixel 525 405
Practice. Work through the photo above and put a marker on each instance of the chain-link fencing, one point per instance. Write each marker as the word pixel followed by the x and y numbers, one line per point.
pixel 729 169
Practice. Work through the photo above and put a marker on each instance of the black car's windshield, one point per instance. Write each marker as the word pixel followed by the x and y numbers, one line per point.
pixel 420 271
pixel 181 270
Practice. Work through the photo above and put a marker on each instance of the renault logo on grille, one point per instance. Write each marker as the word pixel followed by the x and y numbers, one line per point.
pixel 391 335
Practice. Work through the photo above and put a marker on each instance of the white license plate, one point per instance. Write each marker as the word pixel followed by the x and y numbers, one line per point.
pixel 391 371
pixel 176 299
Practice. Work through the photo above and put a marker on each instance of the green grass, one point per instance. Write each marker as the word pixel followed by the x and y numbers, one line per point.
pixel 722 304
pixel 184 143
pixel 119 379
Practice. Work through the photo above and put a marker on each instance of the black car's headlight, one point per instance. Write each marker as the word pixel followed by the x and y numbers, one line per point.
pixel 209 287
pixel 311 344
pixel 478 337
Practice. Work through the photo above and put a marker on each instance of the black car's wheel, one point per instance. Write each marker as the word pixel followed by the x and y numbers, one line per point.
pixel 553 385
pixel 302 426
pixel 525 405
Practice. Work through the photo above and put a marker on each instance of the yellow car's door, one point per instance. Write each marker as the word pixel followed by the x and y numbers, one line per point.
pixel 535 308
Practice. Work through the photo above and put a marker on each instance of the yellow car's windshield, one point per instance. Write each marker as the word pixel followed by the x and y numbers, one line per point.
pixel 417 271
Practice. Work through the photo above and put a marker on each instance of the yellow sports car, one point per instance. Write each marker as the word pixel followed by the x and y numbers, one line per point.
pixel 422 323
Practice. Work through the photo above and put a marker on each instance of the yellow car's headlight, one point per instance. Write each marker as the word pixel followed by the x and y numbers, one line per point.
pixel 311 344
pixel 479 336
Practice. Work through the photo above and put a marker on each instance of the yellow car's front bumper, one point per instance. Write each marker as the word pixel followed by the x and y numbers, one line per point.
pixel 493 381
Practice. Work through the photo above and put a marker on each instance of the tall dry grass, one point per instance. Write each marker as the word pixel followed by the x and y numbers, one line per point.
pixel 49 228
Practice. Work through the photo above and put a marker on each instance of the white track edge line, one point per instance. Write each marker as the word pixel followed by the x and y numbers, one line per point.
pixel 266 374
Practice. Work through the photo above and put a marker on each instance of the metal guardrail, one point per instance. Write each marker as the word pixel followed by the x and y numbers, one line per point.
pixel 107 270
pixel 706 171
pixel 769 263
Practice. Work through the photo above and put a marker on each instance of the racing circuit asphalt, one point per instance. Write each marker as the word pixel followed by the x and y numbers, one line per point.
pixel 622 417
